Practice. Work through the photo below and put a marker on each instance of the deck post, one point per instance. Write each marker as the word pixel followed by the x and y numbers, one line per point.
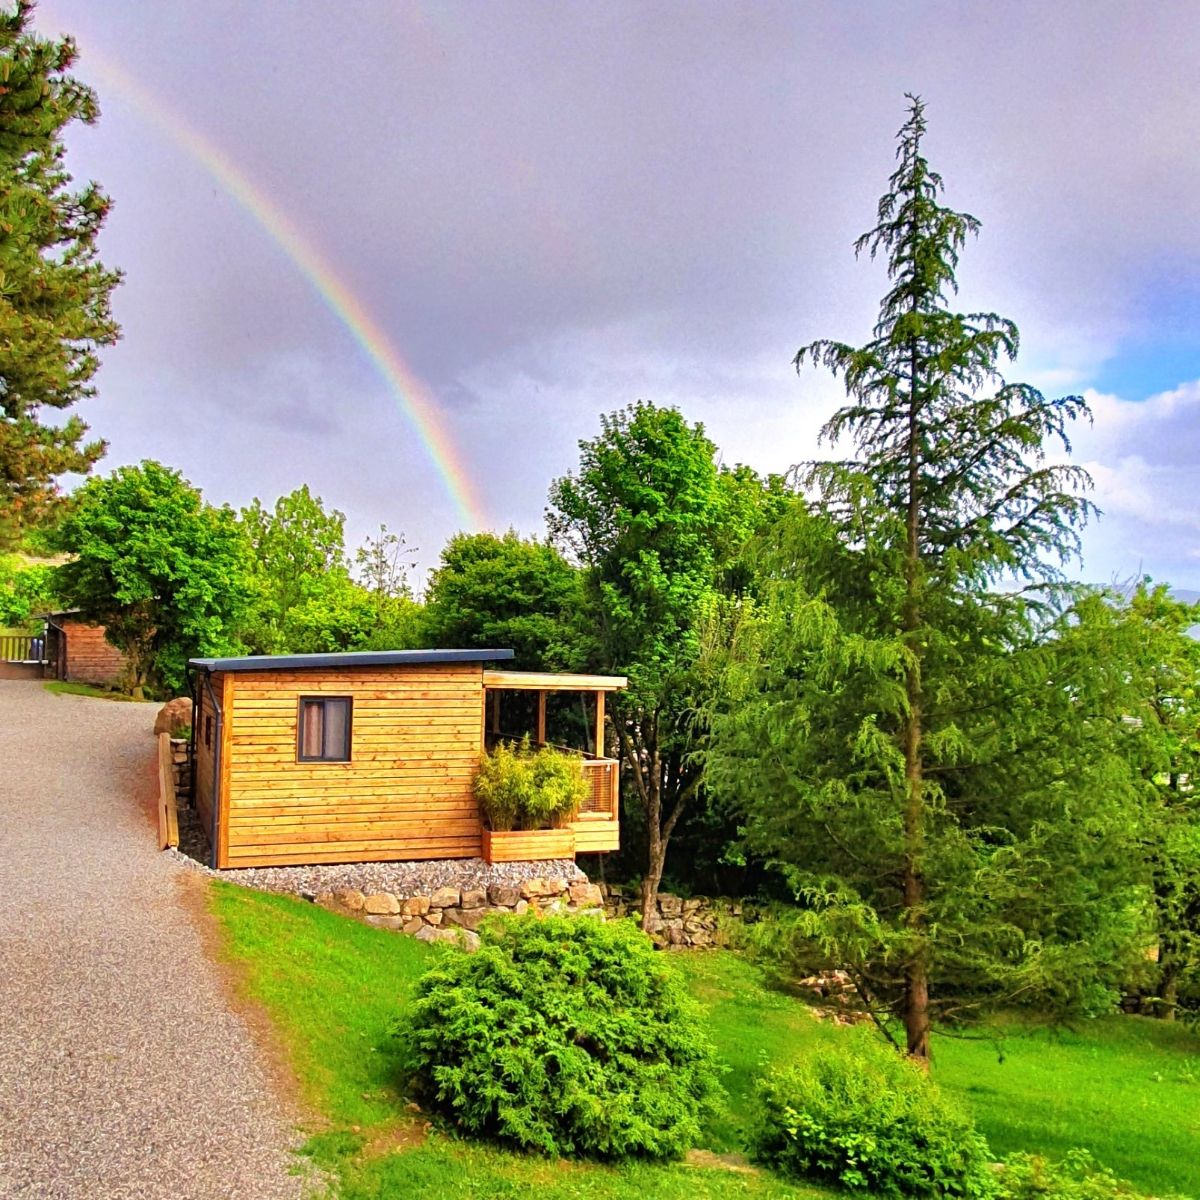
pixel 541 718
pixel 599 724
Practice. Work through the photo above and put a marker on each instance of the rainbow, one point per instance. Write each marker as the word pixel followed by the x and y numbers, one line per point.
pixel 409 392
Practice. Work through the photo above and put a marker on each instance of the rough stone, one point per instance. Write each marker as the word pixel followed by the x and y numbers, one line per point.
pixel 474 898
pixel 557 886
pixel 414 906
pixel 381 903
pixel 470 941
pixel 446 897
pixel 445 935
pixel 174 717
pixel 386 922
pixel 701 938
pixel 467 918
pixel 586 894
pixel 669 906
pixel 414 925
pixel 674 934
pixel 520 907
pixel 427 933
pixel 502 894
pixel 433 917
pixel 693 925
pixel 534 889
pixel 691 906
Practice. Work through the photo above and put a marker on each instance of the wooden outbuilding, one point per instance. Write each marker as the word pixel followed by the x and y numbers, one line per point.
pixel 371 756
pixel 78 651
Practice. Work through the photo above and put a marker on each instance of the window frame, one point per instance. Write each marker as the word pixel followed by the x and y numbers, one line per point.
pixel 324 756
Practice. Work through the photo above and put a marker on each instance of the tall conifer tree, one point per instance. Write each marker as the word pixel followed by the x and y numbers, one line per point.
pixel 54 291
pixel 906 742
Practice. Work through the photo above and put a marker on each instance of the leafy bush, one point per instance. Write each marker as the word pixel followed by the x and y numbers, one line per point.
pixel 859 1115
pixel 564 1035
pixel 503 785
pixel 1077 1177
pixel 518 787
pixel 559 788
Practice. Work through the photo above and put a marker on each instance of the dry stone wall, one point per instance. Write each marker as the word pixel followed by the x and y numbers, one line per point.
pixel 677 923
pixel 453 915
pixel 450 915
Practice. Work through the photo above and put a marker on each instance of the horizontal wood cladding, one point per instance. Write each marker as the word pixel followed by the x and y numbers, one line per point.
pixel 528 845
pixel 593 836
pixel 406 792
pixel 267 857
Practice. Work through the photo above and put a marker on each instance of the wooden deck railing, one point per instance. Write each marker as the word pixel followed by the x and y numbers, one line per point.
pixel 602 775
pixel 21 647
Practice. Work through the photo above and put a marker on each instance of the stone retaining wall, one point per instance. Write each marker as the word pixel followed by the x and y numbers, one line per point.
pixel 677 924
pixel 182 766
pixel 451 915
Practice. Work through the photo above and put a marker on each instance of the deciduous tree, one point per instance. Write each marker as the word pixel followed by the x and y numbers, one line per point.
pixel 656 524
pixel 165 573
pixel 492 590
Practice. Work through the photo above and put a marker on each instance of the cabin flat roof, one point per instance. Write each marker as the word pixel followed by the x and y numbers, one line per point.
pixel 355 658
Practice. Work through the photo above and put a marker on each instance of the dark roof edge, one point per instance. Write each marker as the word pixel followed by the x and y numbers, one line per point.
pixel 355 658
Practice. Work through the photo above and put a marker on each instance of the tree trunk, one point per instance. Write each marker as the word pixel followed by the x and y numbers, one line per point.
pixel 916 971
pixel 656 845
pixel 1168 984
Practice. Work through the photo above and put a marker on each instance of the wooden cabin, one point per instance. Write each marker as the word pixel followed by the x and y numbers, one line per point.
pixel 371 756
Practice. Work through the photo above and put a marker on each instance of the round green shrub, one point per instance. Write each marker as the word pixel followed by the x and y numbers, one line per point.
pixel 563 1035
pixel 857 1114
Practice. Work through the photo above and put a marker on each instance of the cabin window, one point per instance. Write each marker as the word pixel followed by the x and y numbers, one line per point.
pixel 324 729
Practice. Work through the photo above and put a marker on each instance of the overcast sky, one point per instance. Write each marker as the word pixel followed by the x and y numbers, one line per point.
pixel 554 209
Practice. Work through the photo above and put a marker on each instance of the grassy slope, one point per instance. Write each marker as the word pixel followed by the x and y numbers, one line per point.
pixel 61 688
pixel 332 987
pixel 1127 1089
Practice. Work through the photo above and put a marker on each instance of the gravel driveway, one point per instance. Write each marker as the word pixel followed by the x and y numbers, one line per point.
pixel 123 1071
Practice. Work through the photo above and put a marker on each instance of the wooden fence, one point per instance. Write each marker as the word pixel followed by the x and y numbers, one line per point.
pixel 21 647
pixel 168 813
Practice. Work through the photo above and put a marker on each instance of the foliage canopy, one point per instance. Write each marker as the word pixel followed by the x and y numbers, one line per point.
pixel 165 573
pixel 55 295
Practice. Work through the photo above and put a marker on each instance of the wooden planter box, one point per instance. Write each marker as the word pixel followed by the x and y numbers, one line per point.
pixel 528 845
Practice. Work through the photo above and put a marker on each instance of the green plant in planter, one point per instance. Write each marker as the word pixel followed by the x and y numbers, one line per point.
pixel 503 785
pixel 559 789
pixel 521 788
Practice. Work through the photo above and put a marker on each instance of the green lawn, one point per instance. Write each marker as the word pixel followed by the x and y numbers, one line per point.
pixel 61 688
pixel 1125 1088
